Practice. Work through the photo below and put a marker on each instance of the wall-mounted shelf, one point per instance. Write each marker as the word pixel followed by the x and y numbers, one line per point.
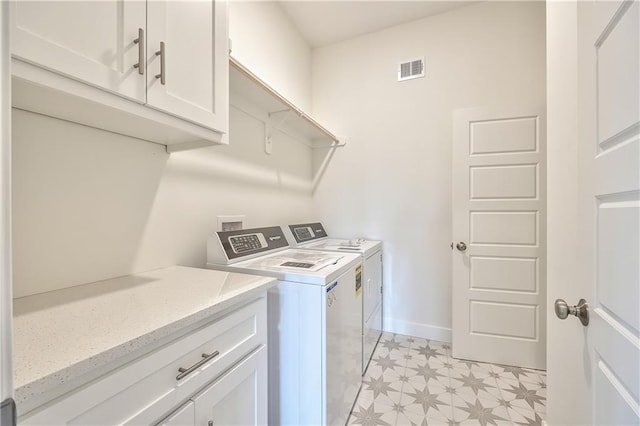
pixel 282 113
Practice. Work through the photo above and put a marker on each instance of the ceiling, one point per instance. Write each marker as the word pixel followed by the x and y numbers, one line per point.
pixel 323 22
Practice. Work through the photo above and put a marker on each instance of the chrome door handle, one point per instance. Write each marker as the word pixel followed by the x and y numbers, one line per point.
pixel 140 42
pixel 581 310
pixel 461 246
pixel 162 76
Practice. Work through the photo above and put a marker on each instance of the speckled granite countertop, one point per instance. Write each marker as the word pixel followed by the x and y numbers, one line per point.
pixel 65 335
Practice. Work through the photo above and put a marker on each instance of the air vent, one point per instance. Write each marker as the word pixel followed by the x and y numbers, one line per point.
pixel 411 69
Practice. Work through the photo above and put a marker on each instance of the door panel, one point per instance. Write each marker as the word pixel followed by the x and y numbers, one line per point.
pixel 196 60
pixel 237 398
pixel 514 228
pixel 496 273
pixel 66 37
pixel 495 182
pixel 504 136
pixel 498 211
pixel 617 225
pixel 617 70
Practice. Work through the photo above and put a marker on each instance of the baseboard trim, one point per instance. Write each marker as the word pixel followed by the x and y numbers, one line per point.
pixel 426 331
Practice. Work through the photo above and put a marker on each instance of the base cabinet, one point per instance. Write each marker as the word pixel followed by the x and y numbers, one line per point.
pixel 216 373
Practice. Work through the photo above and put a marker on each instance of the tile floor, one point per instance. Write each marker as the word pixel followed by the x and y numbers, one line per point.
pixel 414 381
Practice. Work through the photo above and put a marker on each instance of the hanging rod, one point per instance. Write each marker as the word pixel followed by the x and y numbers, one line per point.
pixel 251 76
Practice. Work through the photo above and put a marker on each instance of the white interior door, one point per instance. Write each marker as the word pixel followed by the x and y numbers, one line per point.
pixel 499 215
pixel 594 374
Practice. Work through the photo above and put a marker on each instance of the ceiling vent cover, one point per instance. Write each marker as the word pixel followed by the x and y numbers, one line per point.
pixel 411 69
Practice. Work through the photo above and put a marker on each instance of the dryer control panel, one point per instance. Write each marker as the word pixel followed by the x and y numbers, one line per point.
pixel 306 232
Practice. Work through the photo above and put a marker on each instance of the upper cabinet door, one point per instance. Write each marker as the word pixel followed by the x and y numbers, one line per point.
pixel 91 41
pixel 187 56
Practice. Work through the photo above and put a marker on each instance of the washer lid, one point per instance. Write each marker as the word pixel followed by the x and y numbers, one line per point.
pixel 310 261
pixel 360 246
pixel 303 266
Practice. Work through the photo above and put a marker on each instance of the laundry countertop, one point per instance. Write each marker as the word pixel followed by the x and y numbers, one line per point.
pixel 64 337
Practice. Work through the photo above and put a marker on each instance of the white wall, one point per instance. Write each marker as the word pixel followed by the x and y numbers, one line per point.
pixel 393 180
pixel 266 41
pixel 90 205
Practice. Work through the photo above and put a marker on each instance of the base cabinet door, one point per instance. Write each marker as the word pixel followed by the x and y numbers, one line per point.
pixel 239 397
pixel 90 41
pixel 185 416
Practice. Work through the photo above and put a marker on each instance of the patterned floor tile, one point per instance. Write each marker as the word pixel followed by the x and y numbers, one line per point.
pixel 524 394
pixel 370 413
pixel 415 381
pixel 381 390
pixel 413 419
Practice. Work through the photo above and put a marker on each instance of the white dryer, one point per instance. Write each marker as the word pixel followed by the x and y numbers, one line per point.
pixel 312 236
pixel 314 344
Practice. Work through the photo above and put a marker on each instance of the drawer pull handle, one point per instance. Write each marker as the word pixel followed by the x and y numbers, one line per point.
pixel 184 372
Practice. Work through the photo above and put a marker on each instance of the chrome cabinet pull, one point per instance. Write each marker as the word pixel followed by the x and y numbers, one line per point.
pixel 184 372
pixel 162 55
pixel 140 42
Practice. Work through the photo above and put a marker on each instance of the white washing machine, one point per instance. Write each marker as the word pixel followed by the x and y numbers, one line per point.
pixel 315 332
pixel 312 236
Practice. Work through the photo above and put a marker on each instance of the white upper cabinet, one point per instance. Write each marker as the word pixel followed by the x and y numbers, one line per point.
pixel 92 41
pixel 99 63
pixel 187 51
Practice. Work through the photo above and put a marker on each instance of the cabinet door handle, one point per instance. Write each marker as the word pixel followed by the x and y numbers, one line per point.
pixel 184 372
pixel 162 55
pixel 140 42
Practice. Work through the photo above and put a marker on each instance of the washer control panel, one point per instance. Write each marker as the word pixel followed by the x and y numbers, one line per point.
pixel 247 242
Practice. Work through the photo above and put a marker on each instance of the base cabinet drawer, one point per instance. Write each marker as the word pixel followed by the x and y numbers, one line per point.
pixel 146 389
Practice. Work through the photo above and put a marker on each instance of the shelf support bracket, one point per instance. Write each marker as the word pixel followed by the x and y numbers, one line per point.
pixel 332 145
pixel 270 128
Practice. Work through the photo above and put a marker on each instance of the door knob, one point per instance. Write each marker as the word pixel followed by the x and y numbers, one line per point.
pixel 461 246
pixel 581 310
